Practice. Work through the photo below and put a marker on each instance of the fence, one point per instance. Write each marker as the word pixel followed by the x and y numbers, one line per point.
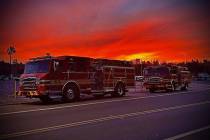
pixel 8 87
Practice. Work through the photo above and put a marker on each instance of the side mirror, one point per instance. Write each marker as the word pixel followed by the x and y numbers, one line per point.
pixel 55 65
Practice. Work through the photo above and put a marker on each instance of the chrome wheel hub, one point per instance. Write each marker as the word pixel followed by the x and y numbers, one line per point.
pixel 70 93
pixel 120 91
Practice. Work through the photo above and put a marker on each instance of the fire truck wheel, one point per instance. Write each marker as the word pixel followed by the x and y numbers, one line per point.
pixel 71 93
pixel 184 87
pixel 151 90
pixel 45 99
pixel 172 88
pixel 119 90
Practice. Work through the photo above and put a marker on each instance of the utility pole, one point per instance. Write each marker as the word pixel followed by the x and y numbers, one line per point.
pixel 141 67
pixel 137 66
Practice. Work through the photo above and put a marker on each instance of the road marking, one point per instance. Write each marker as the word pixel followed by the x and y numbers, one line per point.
pixel 86 104
pixel 98 120
pixel 92 103
pixel 188 133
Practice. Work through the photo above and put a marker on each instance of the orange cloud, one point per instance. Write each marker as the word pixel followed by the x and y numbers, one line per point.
pixel 85 30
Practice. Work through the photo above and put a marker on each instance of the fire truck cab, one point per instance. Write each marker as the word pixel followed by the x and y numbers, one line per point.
pixel 166 78
pixel 70 76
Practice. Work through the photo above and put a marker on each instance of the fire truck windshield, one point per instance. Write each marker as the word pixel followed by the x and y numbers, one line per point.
pixel 159 71
pixel 37 66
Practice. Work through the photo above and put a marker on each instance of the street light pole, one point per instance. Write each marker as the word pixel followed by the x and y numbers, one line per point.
pixel 11 50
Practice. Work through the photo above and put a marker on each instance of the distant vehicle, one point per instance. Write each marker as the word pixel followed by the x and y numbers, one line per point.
pixel 4 77
pixel 139 78
pixel 16 78
pixel 70 76
pixel 166 78
pixel 203 76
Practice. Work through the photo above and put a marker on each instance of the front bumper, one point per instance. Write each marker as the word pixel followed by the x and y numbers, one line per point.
pixel 34 92
pixel 155 86
pixel 162 85
pixel 37 94
pixel 28 93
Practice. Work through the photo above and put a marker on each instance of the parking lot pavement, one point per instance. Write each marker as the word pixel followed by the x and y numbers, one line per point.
pixel 12 100
pixel 138 115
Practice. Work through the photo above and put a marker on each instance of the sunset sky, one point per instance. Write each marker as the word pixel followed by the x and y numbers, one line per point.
pixel 167 30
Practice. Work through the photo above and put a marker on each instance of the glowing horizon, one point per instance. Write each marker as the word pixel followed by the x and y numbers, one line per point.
pixel 171 31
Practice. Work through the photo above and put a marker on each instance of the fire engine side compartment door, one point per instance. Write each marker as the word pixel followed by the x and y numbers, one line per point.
pixel 58 75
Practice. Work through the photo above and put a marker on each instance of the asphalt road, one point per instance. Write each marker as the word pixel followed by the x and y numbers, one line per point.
pixel 138 115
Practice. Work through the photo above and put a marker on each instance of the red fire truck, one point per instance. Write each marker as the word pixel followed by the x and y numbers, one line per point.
pixel 70 76
pixel 167 78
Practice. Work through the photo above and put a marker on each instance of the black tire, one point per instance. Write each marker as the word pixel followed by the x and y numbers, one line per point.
pixel 45 99
pixel 119 90
pixel 71 93
pixel 184 87
pixel 151 90
pixel 172 89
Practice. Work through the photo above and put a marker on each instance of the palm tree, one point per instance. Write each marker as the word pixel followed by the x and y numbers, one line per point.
pixel 10 51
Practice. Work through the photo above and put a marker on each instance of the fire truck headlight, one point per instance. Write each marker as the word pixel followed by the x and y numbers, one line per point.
pixel 44 82
pixel 21 82
pixel 37 81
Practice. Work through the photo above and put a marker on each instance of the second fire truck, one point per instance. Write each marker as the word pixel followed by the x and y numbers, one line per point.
pixel 70 76
pixel 166 78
